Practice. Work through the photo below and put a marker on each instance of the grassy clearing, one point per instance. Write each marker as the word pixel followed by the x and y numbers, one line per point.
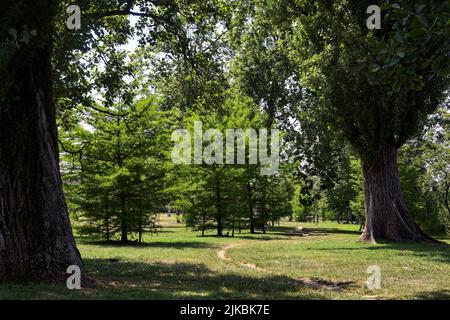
pixel 179 264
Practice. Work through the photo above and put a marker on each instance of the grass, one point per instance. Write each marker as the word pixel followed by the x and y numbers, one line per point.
pixel 179 264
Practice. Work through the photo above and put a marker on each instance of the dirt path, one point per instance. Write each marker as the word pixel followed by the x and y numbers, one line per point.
pixel 223 256
pixel 222 252
pixel 307 282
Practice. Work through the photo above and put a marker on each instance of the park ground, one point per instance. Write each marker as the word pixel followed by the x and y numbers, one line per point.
pixel 292 261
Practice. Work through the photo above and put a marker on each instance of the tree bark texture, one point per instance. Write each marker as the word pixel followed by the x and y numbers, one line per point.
pixel 36 241
pixel 387 217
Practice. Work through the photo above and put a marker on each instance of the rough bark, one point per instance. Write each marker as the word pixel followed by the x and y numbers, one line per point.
pixel 387 216
pixel 36 241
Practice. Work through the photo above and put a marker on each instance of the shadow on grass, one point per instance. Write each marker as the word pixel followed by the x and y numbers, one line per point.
pixel 327 231
pixel 172 226
pixel 248 236
pixel 124 279
pixel 437 252
pixel 161 230
pixel 286 232
pixel 174 245
pixel 136 280
pixel 433 295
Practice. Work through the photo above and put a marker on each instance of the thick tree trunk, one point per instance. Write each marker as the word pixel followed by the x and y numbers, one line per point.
pixel 387 216
pixel 36 241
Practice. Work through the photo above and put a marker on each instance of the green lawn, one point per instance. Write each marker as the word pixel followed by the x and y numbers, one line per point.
pixel 177 263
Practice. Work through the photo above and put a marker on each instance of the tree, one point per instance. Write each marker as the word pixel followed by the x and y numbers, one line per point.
pixel 424 166
pixel 36 241
pixel 436 155
pixel 379 86
pixel 214 186
pixel 296 206
pixel 357 185
pixel 263 69
pixel 280 191
pixel 120 184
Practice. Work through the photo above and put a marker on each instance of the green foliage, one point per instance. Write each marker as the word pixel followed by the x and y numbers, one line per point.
pixel 229 196
pixel 356 183
pixel 423 202
pixel 425 171
pixel 297 208
pixel 115 168
pixel 311 68
pixel 377 86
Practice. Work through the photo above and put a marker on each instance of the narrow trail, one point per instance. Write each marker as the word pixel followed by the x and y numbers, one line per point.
pixel 307 282
pixel 222 255
pixel 222 252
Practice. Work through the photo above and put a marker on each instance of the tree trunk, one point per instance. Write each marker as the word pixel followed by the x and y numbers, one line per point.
pixel 219 226
pixel 447 192
pixel 252 225
pixel 361 226
pixel 250 206
pixel 140 231
pixel 123 220
pixel 387 216
pixel 203 225
pixel 219 207
pixel 36 241
pixel 263 208
pixel 107 220
pixel 232 230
